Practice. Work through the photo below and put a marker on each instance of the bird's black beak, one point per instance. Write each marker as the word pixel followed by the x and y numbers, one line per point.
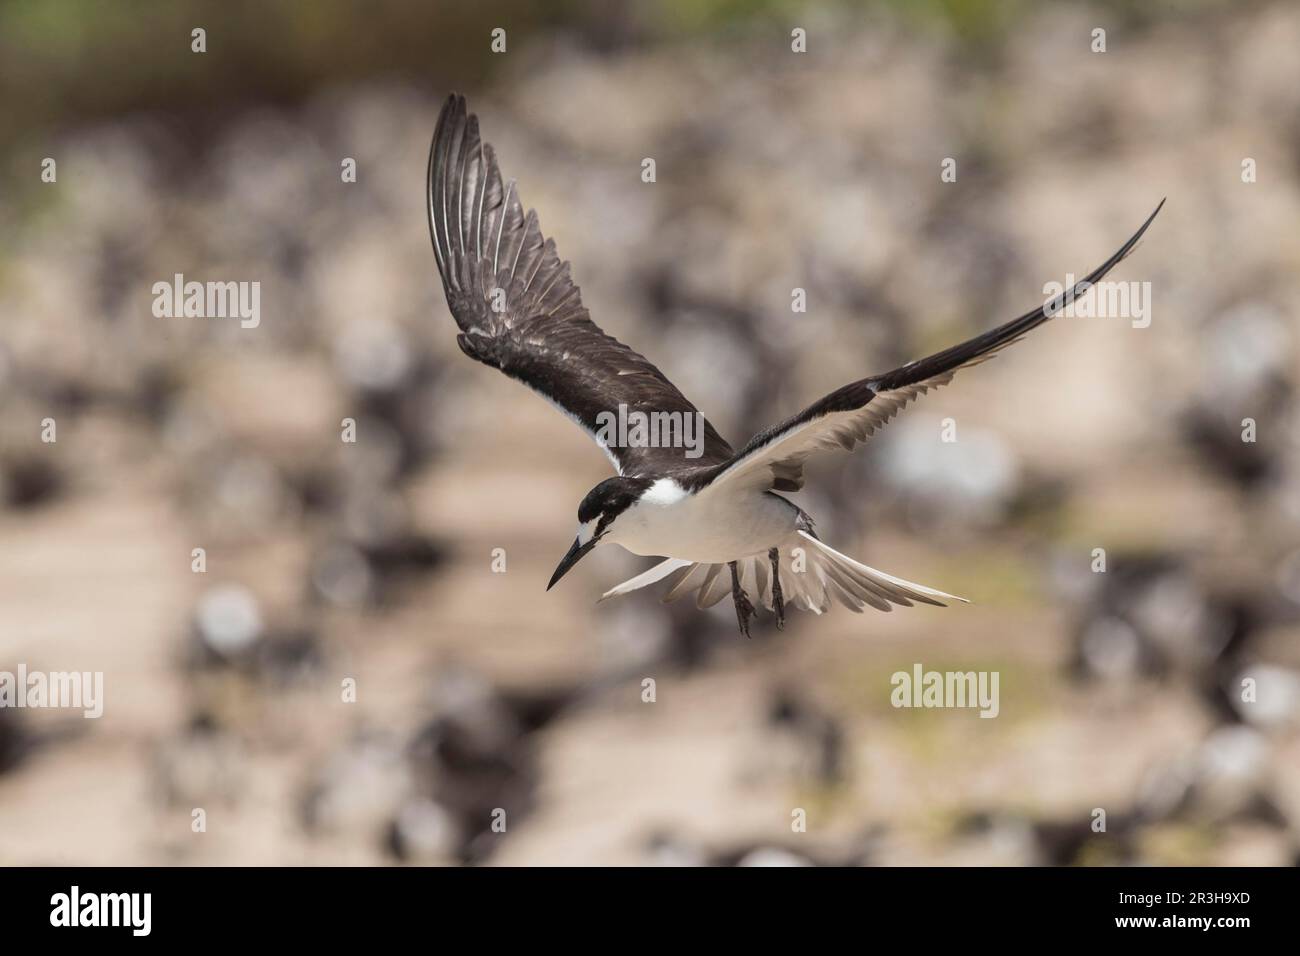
pixel 569 560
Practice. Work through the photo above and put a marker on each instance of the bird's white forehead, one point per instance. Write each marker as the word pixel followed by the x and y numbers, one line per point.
pixel 586 529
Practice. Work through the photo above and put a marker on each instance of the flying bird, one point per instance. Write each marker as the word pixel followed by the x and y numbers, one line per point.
pixel 722 510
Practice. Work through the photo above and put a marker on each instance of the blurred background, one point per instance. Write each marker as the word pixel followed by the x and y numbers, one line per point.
pixel 476 692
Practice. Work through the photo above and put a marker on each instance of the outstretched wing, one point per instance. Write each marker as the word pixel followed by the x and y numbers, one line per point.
pixel 775 458
pixel 520 311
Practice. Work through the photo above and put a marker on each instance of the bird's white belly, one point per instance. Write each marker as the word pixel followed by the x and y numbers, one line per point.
pixel 708 528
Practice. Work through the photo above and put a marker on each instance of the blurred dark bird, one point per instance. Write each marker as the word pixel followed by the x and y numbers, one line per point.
pixel 1247 345
pixel 1152 615
pixel 29 482
pixel 817 737
pixel 477 761
pixel 1052 841
pixel 693 499
pixel 228 633
pixel 14 741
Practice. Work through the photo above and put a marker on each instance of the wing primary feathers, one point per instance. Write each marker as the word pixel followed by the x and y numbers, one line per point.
pixel 774 458
pixel 437 185
pixel 501 224
pixel 460 191
pixel 482 192
pixel 523 241
pixel 544 336
pixel 433 179
pixel 452 270
pixel 1005 334
pixel 541 259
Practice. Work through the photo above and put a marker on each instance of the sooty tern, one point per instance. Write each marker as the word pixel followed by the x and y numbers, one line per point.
pixel 520 311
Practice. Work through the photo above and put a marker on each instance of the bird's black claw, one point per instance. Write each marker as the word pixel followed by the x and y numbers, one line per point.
pixel 778 598
pixel 744 609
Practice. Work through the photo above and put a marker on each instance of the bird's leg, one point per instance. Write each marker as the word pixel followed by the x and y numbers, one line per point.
pixel 744 610
pixel 778 598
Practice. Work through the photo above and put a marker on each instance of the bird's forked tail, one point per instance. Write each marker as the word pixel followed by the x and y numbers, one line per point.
pixel 812 573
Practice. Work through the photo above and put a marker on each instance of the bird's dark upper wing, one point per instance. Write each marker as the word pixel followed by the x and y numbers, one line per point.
pixel 520 311
pixel 775 458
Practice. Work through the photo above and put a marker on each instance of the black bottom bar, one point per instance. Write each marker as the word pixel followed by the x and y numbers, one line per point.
pixel 329 905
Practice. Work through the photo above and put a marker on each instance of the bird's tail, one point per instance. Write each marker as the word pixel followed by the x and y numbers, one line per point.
pixel 812 576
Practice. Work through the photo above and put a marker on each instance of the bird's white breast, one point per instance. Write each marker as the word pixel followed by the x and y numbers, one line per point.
pixel 714 528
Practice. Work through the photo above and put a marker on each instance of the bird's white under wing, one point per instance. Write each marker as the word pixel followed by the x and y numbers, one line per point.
pixel 779 459
pixel 774 458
